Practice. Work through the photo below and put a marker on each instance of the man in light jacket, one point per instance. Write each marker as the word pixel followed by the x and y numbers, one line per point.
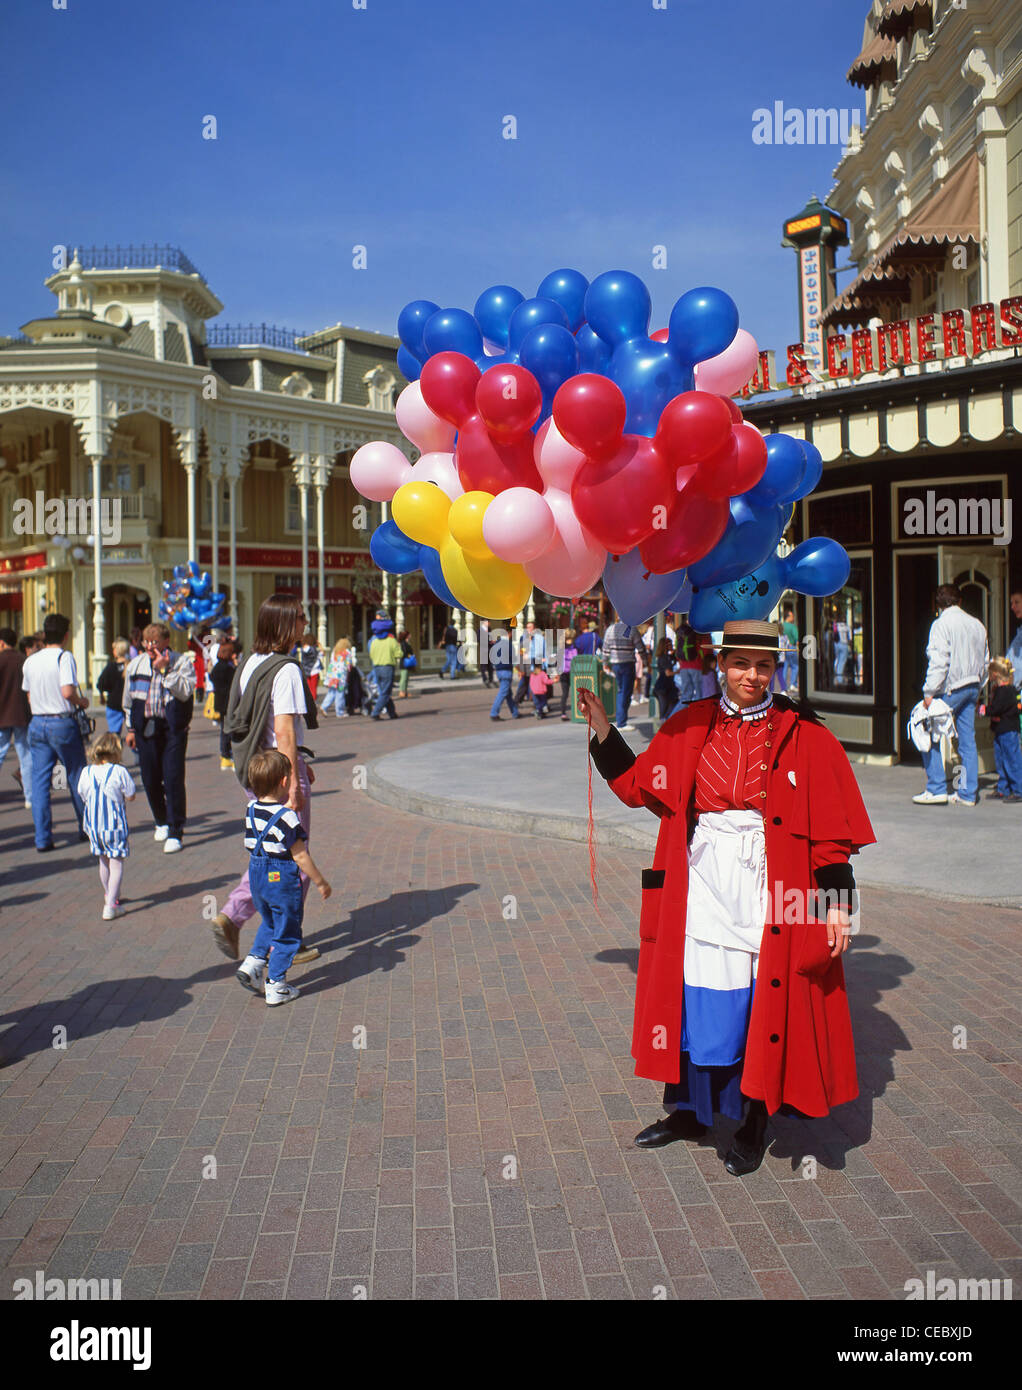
pixel 958 658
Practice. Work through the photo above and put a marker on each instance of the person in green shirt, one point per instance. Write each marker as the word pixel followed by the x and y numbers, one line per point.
pixel 385 655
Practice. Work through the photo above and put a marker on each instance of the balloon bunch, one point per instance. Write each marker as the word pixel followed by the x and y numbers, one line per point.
pixel 560 440
pixel 188 598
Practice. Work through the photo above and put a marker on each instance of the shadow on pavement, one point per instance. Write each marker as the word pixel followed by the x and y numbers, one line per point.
pixel 372 946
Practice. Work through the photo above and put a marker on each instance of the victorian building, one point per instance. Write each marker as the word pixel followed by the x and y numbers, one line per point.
pixel 188 441
pixel 908 378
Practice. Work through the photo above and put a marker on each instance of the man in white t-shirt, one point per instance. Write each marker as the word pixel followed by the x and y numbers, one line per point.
pixel 50 679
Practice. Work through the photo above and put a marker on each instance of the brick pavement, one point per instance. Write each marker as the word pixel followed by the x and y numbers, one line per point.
pixel 479 1145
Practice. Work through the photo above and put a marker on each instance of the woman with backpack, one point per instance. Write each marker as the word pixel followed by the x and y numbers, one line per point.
pixel 269 710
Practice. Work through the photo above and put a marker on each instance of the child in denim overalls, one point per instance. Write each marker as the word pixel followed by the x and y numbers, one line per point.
pixel 277 860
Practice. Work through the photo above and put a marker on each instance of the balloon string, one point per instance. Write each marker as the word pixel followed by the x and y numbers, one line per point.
pixel 592 850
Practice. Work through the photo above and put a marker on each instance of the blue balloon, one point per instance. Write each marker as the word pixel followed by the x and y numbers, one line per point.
pixel 550 353
pixel 593 352
pixel 703 323
pixel 636 592
pixel 193 569
pixel 529 315
pixel 407 365
pixel 617 307
pixel 493 310
pixel 431 568
pixel 813 474
pixel 786 466
pixel 392 550
pixel 749 539
pixel 410 324
pixel 202 587
pixel 568 289
pixel 180 571
pixel 818 566
pixel 452 330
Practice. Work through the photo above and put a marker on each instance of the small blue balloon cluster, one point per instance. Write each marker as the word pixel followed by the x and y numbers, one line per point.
pixel 572 326
pixel 396 553
pixel 189 599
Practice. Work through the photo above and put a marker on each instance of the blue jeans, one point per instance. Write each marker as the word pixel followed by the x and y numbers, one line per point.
pixel 114 719
pixel 962 704
pixel 841 650
pixel 504 679
pixel 384 676
pixel 52 740
pixel 624 674
pixel 790 669
pixel 1008 757
pixel 451 664
pixel 18 735
pixel 280 905
pixel 687 683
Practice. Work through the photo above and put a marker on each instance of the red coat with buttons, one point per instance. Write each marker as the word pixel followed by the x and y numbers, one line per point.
pixel 800 1050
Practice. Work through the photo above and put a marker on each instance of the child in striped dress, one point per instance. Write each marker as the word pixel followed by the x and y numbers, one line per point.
pixel 105 786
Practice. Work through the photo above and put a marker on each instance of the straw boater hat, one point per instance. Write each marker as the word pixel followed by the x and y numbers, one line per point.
pixel 751 635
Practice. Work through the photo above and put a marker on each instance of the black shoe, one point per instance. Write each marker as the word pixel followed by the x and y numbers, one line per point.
pixel 1011 798
pixel 44 849
pixel 680 1124
pixel 83 838
pixel 749 1143
pixel 496 718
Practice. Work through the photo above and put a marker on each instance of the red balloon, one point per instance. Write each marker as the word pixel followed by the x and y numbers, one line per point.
pixel 662 335
pixel 616 498
pixel 509 399
pixel 737 467
pixel 736 415
pixel 693 426
pixel 694 526
pixel 590 412
pixel 449 382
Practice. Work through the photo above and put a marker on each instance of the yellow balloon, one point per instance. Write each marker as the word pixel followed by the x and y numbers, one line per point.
pixel 420 511
pixel 466 522
pixel 490 587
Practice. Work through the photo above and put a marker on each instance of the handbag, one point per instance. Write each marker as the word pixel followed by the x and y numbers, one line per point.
pixel 86 726
pixel 409 662
pixel 208 709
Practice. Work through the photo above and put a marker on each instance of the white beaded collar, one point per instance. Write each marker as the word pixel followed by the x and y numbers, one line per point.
pixel 760 711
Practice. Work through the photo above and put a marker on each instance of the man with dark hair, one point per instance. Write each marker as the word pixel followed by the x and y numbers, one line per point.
pixel 159 690
pixel 14 714
pixel 50 678
pixel 958 658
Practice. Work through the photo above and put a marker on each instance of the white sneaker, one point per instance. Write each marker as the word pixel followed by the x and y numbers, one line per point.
pixel 280 992
pixel 109 913
pixel 161 832
pixel 625 728
pixel 928 799
pixel 172 846
pixel 250 973
pixel 957 800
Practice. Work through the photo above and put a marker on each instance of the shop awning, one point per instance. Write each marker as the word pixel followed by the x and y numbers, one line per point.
pixel 899 16
pixel 868 67
pixel 949 217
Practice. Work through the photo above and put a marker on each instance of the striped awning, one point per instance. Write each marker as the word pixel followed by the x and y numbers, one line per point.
pixel 899 16
pixel 949 217
pixel 879 53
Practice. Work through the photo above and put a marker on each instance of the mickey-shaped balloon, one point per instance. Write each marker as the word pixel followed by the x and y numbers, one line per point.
pixel 819 566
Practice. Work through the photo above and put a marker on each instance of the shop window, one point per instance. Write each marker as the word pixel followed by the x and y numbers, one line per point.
pixel 292 508
pixel 843 516
pixel 223 520
pixel 843 663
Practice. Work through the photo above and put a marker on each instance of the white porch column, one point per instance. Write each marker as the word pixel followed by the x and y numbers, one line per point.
pixel 471 640
pixel 384 576
pixel 215 476
pixel 321 477
pixel 233 474
pixel 530 610
pixel 98 616
pixel 399 604
pixel 188 451
pixel 300 469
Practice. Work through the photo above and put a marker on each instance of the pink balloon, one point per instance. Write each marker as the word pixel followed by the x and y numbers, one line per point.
pixel 438 468
pixel 727 373
pixel 378 470
pixel 419 425
pixel 574 560
pixel 518 525
pixel 557 460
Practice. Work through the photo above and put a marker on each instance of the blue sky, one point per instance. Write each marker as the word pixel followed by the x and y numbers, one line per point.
pixel 382 127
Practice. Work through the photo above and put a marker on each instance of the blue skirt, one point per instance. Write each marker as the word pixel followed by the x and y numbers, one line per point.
pixel 706 1090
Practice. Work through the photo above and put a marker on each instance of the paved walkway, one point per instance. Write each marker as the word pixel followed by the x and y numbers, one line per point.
pixel 191 1142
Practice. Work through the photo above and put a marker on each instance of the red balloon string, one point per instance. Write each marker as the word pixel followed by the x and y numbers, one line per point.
pixel 592 850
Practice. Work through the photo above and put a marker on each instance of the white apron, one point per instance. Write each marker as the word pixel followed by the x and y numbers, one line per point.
pixel 726 913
